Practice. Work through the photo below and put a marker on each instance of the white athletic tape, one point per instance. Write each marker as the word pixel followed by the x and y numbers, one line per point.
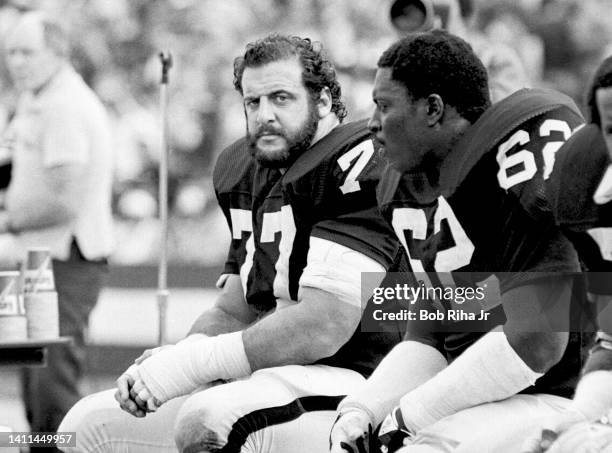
pixel 489 370
pixel 182 368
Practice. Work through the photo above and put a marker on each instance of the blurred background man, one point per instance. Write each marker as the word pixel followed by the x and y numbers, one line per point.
pixel 58 197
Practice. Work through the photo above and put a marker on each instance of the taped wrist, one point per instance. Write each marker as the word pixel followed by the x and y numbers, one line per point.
pixel 489 370
pixel 183 368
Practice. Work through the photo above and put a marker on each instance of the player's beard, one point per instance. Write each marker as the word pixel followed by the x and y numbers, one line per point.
pixel 296 144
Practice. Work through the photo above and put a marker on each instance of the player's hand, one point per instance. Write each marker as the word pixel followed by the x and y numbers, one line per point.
pixel 143 396
pixel 351 433
pixel 393 431
pixel 548 433
pixel 124 384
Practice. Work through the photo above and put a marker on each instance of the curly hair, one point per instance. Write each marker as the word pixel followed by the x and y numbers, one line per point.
pixel 318 72
pixel 601 79
pixel 441 63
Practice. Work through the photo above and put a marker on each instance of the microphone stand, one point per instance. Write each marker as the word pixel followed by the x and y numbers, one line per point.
pixel 162 277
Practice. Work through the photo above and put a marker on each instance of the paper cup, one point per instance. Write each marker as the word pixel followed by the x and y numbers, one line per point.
pixel 43 315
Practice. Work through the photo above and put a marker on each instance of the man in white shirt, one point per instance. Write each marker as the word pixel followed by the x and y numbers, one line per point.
pixel 59 197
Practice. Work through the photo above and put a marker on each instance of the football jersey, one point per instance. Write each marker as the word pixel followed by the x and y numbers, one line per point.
pixel 579 190
pixel 329 192
pixel 583 169
pixel 490 217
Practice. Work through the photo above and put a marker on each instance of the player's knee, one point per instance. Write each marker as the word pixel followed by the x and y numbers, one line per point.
pixel 204 422
pixel 87 420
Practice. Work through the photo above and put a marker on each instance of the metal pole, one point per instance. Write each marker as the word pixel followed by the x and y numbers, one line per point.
pixel 162 277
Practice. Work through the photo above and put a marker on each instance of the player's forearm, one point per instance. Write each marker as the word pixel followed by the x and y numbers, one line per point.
pixel 408 365
pixel 303 333
pixel 487 371
pixel 539 350
pixel 230 313
pixel 215 322
pixel 292 335
pixel 538 321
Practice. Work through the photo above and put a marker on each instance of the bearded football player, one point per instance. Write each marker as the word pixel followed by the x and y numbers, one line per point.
pixel 464 193
pixel 298 193
pixel 580 189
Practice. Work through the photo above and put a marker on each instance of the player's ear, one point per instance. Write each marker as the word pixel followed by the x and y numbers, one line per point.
pixel 435 109
pixel 324 103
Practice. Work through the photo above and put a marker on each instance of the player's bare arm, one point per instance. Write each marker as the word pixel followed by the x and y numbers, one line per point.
pixel 501 363
pixel 326 315
pixel 313 329
pixel 536 325
pixel 230 312
pixel 316 327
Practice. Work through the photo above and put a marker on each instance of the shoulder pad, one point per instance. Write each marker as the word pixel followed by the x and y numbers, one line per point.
pixel 234 166
pixel 497 122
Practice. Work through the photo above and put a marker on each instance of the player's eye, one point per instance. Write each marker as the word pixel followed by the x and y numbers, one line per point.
pixel 281 98
pixel 251 103
pixel 381 104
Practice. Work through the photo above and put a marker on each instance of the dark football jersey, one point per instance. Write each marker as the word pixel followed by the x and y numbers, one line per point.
pixel 583 166
pixel 491 216
pixel 582 171
pixel 329 192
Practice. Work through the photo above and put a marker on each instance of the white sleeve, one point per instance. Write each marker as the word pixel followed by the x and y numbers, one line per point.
pixel 337 269
pixel 489 370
